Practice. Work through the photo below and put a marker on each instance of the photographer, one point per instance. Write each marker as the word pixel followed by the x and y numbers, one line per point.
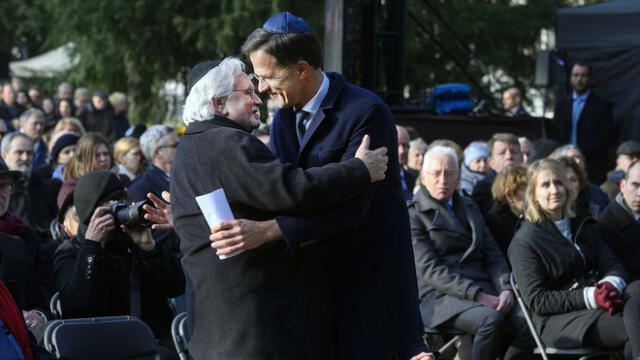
pixel 111 269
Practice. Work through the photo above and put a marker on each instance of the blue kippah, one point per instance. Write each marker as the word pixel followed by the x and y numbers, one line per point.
pixel 286 23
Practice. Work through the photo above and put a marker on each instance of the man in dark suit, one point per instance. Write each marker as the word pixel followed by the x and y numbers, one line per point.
pixel 585 119
pixel 407 176
pixel 463 278
pixel 321 121
pixel 620 222
pixel 159 144
pixel 267 303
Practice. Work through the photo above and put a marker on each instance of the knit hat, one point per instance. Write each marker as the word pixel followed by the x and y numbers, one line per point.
pixel 62 142
pixel 475 150
pixel 91 189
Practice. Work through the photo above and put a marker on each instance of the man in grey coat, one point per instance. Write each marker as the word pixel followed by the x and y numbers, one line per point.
pixel 462 275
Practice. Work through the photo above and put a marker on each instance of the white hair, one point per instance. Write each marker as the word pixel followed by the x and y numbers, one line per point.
pixel 150 139
pixel 215 84
pixel 418 144
pixel 439 150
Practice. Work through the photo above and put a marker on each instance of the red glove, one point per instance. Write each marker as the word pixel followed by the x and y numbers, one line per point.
pixel 608 298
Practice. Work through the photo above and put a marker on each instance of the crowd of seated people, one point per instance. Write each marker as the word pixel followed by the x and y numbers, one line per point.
pixel 477 215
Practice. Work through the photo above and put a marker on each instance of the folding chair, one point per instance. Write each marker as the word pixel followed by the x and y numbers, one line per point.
pixel 582 353
pixel 54 305
pixel 102 338
pixel 180 334
pixel 455 335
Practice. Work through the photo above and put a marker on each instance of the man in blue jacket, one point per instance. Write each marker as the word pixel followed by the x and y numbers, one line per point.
pixel 322 120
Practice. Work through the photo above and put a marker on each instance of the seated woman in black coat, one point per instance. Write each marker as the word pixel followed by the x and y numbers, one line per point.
pixel 569 279
pixel 508 193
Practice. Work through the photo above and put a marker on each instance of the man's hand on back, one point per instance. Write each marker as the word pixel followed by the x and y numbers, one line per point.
pixel 375 160
pixel 230 236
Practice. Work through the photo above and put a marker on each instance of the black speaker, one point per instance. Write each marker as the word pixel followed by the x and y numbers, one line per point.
pixel 543 69
pixel 4 65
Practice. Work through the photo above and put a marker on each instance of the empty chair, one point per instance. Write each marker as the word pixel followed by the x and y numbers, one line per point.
pixel 102 338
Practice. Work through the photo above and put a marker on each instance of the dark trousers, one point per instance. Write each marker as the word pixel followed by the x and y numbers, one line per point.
pixel 492 332
pixel 622 329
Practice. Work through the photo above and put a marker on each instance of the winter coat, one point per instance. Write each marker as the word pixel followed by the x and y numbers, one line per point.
pixel 552 272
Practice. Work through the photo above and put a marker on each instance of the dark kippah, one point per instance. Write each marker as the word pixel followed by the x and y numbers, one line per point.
pixel 286 23
pixel 199 71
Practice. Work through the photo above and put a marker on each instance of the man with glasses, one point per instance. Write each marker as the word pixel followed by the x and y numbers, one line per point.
pixel 370 261
pixel 463 277
pixel 159 144
pixel 268 303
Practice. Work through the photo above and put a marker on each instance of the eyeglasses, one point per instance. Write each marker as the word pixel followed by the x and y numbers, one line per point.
pixel 269 79
pixel 250 91
pixel 174 146
pixel 448 174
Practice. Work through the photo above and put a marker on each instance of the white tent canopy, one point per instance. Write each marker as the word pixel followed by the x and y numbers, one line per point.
pixel 46 65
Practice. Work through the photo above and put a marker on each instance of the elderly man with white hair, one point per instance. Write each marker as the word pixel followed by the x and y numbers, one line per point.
pixel 463 278
pixel 270 301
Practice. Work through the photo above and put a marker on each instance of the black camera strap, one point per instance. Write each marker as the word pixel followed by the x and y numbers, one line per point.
pixel 134 291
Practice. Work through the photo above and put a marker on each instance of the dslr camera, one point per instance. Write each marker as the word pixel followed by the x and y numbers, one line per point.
pixel 131 216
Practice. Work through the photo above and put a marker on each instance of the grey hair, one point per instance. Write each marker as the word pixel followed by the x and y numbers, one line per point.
pixel 563 150
pixel 439 150
pixel 29 113
pixel 418 144
pixel 80 92
pixel 65 85
pixel 216 84
pixel 150 139
pixel 5 146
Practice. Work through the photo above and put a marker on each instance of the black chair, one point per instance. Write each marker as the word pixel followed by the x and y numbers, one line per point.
pixel 180 334
pixel 54 305
pixel 542 349
pixel 102 338
pixel 454 334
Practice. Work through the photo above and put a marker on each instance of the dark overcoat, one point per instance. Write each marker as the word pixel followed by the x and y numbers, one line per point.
pixel 265 303
pixel 621 233
pixel 155 181
pixel 453 260
pixel 596 132
pixel 370 255
pixel 552 272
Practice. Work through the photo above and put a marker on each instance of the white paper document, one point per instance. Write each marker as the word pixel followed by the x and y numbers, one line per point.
pixel 215 208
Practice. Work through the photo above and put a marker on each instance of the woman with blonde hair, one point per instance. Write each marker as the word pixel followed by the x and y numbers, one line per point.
pixel 92 153
pixel 570 281
pixel 129 157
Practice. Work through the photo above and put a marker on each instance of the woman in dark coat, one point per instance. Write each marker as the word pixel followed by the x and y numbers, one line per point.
pixel 569 279
pixel 508 193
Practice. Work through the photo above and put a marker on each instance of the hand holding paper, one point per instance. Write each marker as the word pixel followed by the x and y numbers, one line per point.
pixel 215 208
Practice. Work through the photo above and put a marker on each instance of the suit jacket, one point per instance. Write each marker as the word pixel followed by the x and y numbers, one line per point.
pixel 595 133
pixel 265 303
pixel 621 233
pixel 370 255
pixel 454 260
pixel 155 181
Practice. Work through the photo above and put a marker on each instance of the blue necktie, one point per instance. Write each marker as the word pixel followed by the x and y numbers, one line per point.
pixel 575 117
pixel 301 117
